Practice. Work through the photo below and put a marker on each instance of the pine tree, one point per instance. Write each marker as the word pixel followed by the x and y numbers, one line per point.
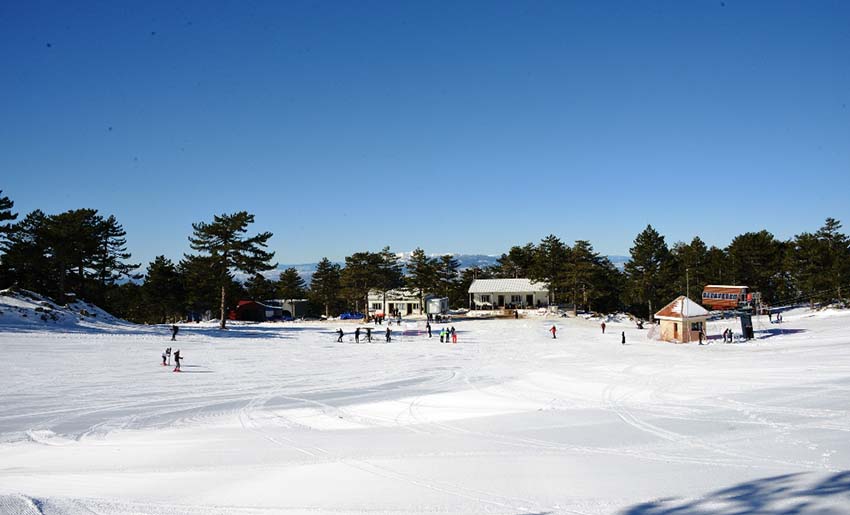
pixel 361 274
pixel 550 266
pixel 838 256
pixel 109 259
pixel 583 274
pixel 325 284
pixel 26 261
pixel 6 215
pixel 259 288
pixel 447 277
pixel 691 267
pixel 225 243
pixel 755 260
pixel 518 262
pixel 291 286
pixel 390 274
pixel 422 275
pixel 162 291
pixel 647 270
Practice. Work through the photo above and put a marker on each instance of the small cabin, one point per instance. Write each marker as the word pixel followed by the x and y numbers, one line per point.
pixel 722 297
pixel 682 321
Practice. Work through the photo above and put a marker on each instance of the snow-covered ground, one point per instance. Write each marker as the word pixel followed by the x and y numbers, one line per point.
pixel 278 418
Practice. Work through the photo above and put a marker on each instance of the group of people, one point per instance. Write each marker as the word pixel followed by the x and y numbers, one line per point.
pixel 728 335
pixel 446 334
pixel 340 333
pixel 166 355
pixel 437 317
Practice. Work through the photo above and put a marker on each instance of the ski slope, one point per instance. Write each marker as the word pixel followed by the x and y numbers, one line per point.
pixel 279 418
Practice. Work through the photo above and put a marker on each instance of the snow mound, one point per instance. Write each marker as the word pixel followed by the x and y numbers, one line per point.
pixel 26 309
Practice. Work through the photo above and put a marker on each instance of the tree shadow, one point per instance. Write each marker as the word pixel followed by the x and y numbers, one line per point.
pixel 770 333
pixel 778 495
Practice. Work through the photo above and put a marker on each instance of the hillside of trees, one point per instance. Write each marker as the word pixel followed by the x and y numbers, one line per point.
pixel 83 254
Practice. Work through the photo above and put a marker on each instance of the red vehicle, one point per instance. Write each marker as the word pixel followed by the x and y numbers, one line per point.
pixel 720 297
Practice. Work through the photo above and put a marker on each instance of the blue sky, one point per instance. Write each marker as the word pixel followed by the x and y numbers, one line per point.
pixel 465 127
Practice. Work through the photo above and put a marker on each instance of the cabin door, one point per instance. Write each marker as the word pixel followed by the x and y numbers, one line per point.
pixel 501 301
pixel 529 300
pixel 675 331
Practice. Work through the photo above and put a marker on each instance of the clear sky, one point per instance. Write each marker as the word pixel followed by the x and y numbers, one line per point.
pixel 455 126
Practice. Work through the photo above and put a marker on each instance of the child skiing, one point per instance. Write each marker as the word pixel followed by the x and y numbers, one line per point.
pixel 454 335
pixel 163 359
pixel 177 359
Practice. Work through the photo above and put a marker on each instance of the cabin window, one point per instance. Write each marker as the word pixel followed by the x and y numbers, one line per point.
pixel 516 298
pixel 376 305
pixel 696 326
pixel 485 298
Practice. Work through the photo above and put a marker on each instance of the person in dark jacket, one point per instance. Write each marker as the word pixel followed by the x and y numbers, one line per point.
pixel 428 328
pixel 177 359
pixel 369 334
pixel 624 338
pixel 174 330
pixel 357 335
pixel 340 333
pixel 388 335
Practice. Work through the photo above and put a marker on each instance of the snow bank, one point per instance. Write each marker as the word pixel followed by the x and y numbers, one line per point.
pixel 26 309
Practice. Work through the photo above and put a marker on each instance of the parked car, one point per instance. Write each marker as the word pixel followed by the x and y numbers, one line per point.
pixel 352 316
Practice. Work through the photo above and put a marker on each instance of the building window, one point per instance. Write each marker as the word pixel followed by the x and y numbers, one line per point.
pixel 696 326
pixel 485 298
pixel 376 305
pixel 516 299
pixel 416 306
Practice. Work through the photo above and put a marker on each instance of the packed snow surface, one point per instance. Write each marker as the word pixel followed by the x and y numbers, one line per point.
pixel 279 418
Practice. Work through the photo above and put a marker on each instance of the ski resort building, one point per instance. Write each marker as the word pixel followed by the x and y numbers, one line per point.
pixel 403 300
pixel 682 320
pixel 507 293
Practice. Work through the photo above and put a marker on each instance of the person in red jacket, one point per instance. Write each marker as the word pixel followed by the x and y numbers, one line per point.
pixel 553 331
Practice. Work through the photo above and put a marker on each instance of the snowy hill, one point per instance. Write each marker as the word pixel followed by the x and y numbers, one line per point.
pixel 26 309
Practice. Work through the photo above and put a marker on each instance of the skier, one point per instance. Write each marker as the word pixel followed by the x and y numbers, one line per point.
pixel 369 334
pixel 623 341
pixel 163 359
pixel 442 334
pixel 177 359
pixel 388 335
pixel 553 331
pixel 454 335
pixel 340 333
pixel 168 353
pixel 357 335
pixel 603 327
pixel 174 330
pixel 428 328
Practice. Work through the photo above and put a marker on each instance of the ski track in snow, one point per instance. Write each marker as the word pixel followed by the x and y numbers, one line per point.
pixel 281 419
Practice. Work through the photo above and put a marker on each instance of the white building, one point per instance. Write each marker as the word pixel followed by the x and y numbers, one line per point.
pixel 510 293
pixel 402 299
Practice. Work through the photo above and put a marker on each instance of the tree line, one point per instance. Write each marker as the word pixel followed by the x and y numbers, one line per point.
pixel 82 253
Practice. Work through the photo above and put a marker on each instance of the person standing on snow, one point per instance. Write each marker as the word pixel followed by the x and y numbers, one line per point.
pixel 163 359
pixel 174 330
pixel 168 353
pixel 177 359
pixel 623 342
pixel 442 334
pixel 603 327
pixel 428 328
pixel 340 333
pixel 369 334
pixel 388 335
pixel 357 335
pixel 553 331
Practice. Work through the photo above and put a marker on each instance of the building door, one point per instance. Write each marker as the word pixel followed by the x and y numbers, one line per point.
pixel 409 308
pixel 529 300
pixel 675 331
pixel 501 301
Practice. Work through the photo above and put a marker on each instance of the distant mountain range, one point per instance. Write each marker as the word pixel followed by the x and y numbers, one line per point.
pixel 305 270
